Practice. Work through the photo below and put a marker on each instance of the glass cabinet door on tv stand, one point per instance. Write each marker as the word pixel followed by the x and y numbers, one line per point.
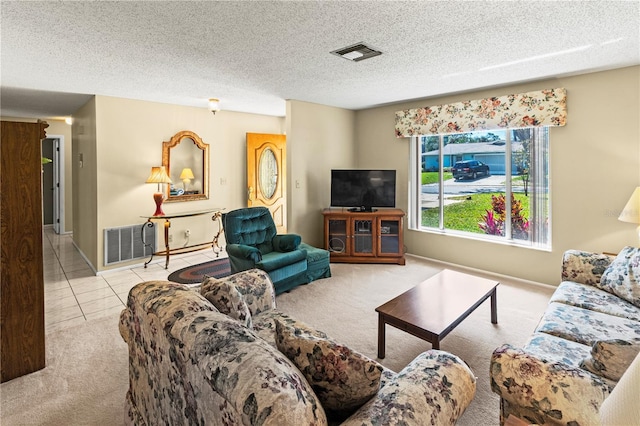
pixel 364 237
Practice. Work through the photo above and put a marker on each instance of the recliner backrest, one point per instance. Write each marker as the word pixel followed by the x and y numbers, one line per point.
pixel 252 226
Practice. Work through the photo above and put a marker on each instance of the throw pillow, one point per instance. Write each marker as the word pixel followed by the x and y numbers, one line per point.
pixel 611 358
pixel 342 379
pixel 227 299
pixel 622 277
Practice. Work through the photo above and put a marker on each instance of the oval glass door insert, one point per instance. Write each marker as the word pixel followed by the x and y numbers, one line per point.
pixel 268 173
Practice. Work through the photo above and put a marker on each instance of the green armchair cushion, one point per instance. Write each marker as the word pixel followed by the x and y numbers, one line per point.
pixel 286 242
pixel 244 252
pixel 252 226
pixel 276 260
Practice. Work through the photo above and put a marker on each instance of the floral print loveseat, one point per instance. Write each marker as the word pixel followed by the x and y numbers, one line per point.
pixel 586 339
pixel 222 354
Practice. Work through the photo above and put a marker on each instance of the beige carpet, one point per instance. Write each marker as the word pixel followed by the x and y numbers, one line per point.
pixel 85 380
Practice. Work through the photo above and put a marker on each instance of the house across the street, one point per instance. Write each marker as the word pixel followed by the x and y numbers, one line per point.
pixel 490 153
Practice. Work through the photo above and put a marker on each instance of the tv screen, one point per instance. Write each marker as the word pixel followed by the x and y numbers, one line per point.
pixel 363 189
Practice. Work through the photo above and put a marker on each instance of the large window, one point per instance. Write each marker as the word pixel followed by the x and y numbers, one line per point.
pixel 492 185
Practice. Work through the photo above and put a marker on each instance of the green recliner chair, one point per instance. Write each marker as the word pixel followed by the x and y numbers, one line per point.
pixel 253 242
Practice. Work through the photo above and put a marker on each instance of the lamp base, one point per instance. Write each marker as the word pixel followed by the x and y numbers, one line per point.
pixel 158 197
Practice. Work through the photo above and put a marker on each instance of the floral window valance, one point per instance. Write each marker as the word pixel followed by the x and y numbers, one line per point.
pixel 532 109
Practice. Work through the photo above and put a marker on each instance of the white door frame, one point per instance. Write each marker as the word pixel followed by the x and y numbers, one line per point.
pixel 58 183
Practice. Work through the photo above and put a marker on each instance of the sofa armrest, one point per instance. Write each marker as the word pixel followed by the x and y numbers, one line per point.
pixel 245 293
pixel 435 388
pixel 545 392
pixel 286 242
pixel 123 324
pixel 244 252
pixel 584 267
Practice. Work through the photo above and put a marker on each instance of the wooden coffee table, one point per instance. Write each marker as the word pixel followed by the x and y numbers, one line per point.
pixel 436 306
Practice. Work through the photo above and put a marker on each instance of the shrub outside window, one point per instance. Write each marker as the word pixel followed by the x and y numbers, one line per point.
pixel 492 185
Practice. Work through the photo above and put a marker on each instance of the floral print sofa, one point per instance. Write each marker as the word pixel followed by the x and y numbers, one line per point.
pixel 222 354
pixel 584 342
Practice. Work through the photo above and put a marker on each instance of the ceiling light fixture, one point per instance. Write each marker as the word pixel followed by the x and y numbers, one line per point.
pixel 357 52
pixel 214 105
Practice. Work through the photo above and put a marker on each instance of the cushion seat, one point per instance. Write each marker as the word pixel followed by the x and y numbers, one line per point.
pixel 585 326
pixel 556 349
pixel 594 299
pixel 276 260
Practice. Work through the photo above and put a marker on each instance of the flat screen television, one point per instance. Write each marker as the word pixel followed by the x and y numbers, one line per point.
pixel 363 190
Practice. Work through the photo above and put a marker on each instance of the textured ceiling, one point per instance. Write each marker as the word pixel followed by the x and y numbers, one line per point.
pixel 254 55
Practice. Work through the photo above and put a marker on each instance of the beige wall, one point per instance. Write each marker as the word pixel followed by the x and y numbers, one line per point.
pixel 595 163
pixel 129 136
pixel 319 138
pixel 595 166
pixel 85 203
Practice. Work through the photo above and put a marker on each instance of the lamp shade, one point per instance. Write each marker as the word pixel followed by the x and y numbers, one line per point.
pixel 621 407
pixel 158 175
pixel 631 212
pixel 187 173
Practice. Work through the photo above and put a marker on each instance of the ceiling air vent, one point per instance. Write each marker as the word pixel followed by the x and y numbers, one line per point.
pixel 357 52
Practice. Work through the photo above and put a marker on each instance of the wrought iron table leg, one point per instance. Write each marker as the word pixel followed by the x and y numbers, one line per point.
pixel 215 245
pixel 144 243
pixel 167 225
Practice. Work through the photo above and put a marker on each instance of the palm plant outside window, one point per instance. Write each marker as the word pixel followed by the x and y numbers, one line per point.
pixel 492 185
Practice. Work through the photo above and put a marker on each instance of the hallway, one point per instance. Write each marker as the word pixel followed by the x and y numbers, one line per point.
pixel 73 294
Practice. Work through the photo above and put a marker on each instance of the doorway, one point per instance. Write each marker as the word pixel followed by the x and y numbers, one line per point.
pixel 266 175
pixel 53 182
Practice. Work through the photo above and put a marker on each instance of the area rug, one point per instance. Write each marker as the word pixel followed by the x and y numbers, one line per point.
pixel 195 273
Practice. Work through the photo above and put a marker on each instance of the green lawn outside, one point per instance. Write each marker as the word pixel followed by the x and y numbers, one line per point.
pixel 432 177
pixel 465 215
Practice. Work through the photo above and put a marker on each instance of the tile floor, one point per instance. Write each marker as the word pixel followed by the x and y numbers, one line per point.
pixel 73 293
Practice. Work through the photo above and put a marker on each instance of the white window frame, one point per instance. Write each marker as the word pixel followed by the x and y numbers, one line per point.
pixel 537 237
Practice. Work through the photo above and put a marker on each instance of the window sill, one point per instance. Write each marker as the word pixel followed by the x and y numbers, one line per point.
pixel 482 238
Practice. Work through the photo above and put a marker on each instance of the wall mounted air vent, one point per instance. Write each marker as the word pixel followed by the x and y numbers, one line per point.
pixel 128 243
pixel 357 52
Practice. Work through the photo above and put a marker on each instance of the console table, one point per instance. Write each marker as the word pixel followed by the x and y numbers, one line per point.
pixel 216 215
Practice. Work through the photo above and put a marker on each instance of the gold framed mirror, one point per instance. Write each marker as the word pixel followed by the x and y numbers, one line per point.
pixel 186 159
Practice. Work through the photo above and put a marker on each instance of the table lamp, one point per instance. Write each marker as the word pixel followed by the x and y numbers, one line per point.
pixel 631 212
pixel 186 176
pixel 158 175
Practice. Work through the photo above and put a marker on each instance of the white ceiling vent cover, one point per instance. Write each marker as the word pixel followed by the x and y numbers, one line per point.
pixel 357 52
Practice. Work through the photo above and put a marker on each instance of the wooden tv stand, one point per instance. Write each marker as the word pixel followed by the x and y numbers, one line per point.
pixel 364 237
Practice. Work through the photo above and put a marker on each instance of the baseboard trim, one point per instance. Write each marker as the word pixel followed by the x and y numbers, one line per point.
pixel 86 259
pixel 477 271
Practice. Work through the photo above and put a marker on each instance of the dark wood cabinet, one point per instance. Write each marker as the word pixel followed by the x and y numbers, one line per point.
pixel 22 348
pixel 364 237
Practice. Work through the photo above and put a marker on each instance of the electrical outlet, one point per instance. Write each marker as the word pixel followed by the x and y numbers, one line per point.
pixel 223 181
pixel 170 238
pixel 187 233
